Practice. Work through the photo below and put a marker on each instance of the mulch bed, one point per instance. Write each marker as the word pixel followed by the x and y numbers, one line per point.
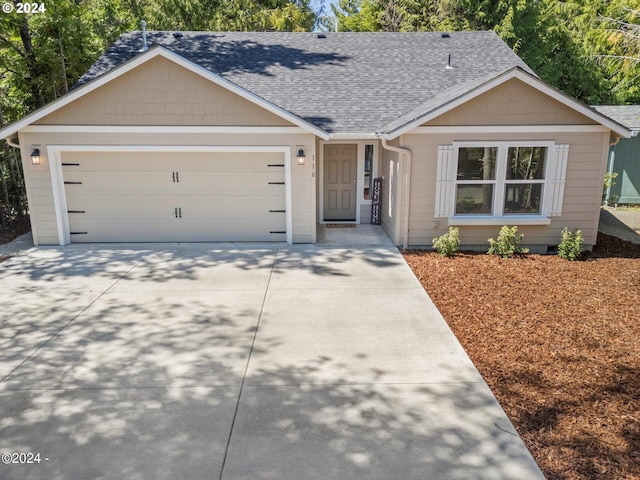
pixel 558 342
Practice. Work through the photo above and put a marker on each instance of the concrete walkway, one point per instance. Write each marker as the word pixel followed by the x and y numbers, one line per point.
pixel 620 222
pixel 237 362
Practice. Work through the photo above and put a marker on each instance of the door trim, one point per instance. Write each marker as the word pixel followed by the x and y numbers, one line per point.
pixel 359 175
pixel 57 180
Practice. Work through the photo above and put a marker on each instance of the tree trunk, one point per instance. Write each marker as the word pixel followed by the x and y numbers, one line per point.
pixel 32 64
pixel 64 68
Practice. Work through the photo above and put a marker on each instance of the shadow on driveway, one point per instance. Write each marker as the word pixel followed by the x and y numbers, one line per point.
pixel 168 362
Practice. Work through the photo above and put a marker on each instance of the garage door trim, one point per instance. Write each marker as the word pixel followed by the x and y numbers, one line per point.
pixel 54 153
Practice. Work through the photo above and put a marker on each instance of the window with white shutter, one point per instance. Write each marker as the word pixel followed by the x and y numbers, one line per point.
pixel 490 183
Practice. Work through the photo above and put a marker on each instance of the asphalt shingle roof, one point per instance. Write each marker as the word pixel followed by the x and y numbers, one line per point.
pixel 344 83
pixel 627 115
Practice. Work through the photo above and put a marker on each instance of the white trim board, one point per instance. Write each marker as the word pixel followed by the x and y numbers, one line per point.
pixel 360 201
pixel 534 129
pixel 57 180
pixel 158 51
pixel 529 80
pixel 183 130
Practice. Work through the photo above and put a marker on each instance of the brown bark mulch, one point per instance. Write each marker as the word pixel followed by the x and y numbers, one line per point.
pixel 558 342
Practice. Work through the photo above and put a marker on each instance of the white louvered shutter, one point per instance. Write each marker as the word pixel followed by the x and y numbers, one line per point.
pixel 445 181
pixel 556 181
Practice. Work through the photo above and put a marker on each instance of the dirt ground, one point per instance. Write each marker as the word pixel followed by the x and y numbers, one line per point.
pixel 558 343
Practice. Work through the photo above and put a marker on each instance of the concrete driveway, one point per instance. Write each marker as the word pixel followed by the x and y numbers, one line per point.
pixel 232 362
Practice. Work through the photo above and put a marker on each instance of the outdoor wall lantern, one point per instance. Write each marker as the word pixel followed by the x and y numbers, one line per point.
pixel 35 156
pixel 301 157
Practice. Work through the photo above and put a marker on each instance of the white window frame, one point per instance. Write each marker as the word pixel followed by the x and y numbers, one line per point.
pixel 498 217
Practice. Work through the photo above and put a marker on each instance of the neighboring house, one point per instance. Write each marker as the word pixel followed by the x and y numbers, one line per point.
pixel 624 156
pixel 261 136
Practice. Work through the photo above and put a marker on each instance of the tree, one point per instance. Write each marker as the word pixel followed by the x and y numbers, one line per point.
pixel 614 45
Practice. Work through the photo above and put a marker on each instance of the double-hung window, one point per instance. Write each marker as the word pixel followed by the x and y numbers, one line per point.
pixel 503 182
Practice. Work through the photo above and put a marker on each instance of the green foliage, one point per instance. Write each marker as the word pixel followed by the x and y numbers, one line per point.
pixel 608 183
pixel 229 15
pixel 508 243
pixel 447 244
pixel 608 179
pixel 570 245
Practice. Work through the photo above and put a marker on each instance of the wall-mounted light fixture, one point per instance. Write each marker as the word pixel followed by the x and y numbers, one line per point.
pixel 301 157
pixel 35 156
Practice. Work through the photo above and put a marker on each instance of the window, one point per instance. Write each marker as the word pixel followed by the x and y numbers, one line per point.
pixel 500 180
pixel 368 172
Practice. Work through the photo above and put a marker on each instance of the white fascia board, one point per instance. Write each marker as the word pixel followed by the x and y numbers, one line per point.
pixel 528 79
pixel 141 59
pixel 509 129
pixel 353 136
pixel 139 129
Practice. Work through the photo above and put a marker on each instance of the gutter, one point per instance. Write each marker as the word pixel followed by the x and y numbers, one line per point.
pixel 406 189
pixel 11 144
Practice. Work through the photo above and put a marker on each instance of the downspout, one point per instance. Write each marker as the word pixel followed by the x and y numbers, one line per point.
pixel 612 159
pixel 406 189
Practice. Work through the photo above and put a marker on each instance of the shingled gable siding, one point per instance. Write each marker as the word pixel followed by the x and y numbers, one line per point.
pixel 161 92
pixel 513 104
pixel 40 192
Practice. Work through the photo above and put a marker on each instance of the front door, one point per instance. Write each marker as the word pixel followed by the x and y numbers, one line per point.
pixel 340 169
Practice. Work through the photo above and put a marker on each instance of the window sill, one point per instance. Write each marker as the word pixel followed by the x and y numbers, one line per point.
pixel 506 220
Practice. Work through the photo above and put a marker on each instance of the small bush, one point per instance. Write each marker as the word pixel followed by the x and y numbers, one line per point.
pixel 570 245
pixel 507 244
pixel 447 244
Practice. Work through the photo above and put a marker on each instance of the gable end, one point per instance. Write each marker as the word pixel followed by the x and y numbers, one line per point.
pixel 160 92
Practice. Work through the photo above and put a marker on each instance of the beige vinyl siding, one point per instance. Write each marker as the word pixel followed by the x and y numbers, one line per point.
pixel 160 92
pixel 583 187
pixel 40 192
pixel 365 213
pixel 512 103
pixel 389 170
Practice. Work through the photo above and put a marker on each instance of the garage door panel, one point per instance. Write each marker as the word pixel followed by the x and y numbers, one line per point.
pixel 87 183
pixel 161 231
pixel 163 207
pixel 117 161
pixel 175 196
pixel 251 162
pixel 122 207
pixel 236 184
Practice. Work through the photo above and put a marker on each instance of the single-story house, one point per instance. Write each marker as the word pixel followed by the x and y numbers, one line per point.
pixel 235 136
pixel 624 155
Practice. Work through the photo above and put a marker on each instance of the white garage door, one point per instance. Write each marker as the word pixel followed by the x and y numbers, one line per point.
pixel 175 196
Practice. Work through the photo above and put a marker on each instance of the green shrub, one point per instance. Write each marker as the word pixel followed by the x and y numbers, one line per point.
pixel 507 244
pixel 447 244
pixel 570 245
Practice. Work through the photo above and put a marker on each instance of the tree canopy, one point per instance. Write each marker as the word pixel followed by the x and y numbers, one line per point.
pixel 590 49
